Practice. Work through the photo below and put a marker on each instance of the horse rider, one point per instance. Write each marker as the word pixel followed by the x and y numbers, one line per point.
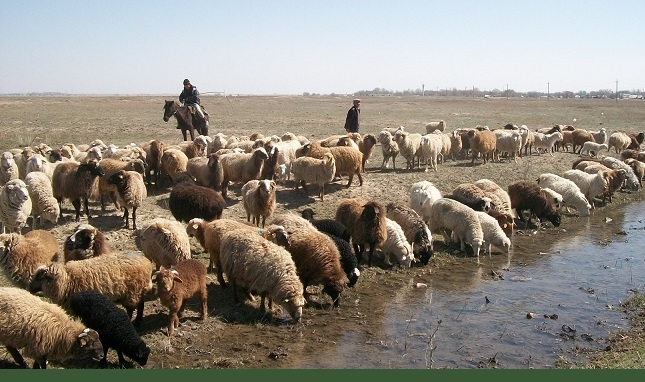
pixel 190 97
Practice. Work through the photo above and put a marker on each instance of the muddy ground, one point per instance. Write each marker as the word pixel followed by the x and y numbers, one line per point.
pixel 237 335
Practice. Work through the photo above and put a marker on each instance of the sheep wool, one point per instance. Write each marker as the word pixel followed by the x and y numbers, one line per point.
pixel 164 242
pixel 20 256
pixel 15 205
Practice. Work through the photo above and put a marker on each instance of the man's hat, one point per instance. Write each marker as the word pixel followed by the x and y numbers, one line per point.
pixel 357 100
pixel 186 81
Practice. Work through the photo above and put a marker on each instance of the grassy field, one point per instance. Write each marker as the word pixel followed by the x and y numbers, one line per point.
pixel 125 119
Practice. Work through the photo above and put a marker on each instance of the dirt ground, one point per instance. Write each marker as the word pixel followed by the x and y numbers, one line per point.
pixel 236 335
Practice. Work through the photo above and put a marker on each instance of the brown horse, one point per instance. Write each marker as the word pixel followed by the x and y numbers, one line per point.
pixel 186 121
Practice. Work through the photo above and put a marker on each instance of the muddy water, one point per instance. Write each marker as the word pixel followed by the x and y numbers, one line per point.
pixel 577 273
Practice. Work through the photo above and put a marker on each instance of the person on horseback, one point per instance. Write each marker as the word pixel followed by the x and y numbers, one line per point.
pixel 190 97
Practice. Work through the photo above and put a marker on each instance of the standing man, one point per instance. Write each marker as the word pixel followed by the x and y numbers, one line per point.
pixel 190 97
pixel 351 122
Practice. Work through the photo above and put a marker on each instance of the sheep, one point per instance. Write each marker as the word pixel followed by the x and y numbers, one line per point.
pixel 422 195
pixel 328 226
pixel 409 145
pixel 432 126
pixel 431 146
pixel 600 136
pixel 85 242
pixel 173 162
pixel 260 266
pixel 571 194
pixel 591 185
pixel 482 142
pixel 258 197
pixel 580 136
pixel 20 256
pixel 456 144
pixel 415 230
pixel 76 181
pixel 348 160
pixel 218 143
pixel 91 153
pixel 636 140
pixel 43 204
pixel 619 141
pixel 557 197
pixel 546 141
pixel 271 166
pixel 333 140
pixel 508 142
pixel 42 330
pixel 472 196
pixel 475 204
pixel 389 148
pixel 122 278
pixel 187 200
pixel 8 168
pixel 205 171
pixel 312 170
pixel 528 139
pixel 131 191
pixel 197 148
pixel 241 167
pixel 112 324
pixel 15 205
pixel 347 141
pixel 450 215
pixel 638 167
pixel 347 259
pixel 593 147
pixel 39 163
pixel 493 233
pixel 631 182
pixel 129 152
pixel 315 255
pixel 179 283
pixel 286 152
pixel 110 167
pixel 164 242
pixel 366 146
pixel 292 137
pixel 396 245
pixel 365 221
pixel 500 199
pixel 209 235
pixel 628 153
pixel 529 196
pixel 21 160
pixel 154 151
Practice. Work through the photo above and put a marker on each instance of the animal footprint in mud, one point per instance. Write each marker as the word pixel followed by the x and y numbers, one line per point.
pixel 551 316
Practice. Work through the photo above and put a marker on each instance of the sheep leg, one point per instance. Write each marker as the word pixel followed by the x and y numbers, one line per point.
pixel 134 218
pixel 262 308
pixel 360 178
pixel 40 362
pixel 139 317
pixel 103 361
pixel 220 276
pixel 232 281
pixel 204 297
pixel 17 357
pixel 121 358
pixel 171 323
pixel 351 177
pixel 77 207
pixel 304 187
pixel 369 256
pixel 87 208
pixel 126 217
pixel 335 296
pixel 321 193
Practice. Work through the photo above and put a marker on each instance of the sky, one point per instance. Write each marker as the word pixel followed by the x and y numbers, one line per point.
pixel 330 46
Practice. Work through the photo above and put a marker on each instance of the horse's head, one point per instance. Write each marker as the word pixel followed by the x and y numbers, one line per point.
pixel 169 109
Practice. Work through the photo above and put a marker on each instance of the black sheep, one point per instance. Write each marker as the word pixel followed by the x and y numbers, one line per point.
pixel 113 325
pixel 328 226
pixel 348 260
pixel 189 200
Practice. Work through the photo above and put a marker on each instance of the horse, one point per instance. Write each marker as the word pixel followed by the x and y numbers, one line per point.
pixel 186 121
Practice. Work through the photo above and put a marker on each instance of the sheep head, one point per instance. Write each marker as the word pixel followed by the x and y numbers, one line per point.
pixel 166 279
pixel 87 345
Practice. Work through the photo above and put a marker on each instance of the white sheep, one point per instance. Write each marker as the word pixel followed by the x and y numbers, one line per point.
pixel 600 136
pixel 15 205
pixel 131 191
pixel 41 164
pixel 431 146
pixel 241 167
pixel 8 168
pixel 571 194
pixel 396 245
pixel 43 204
pixel 312 170
pixel 42 330
pixel 218 143
pixel 508 141
pixel 389 148
pixel 422 196
pixel 631 183
pixel 619 141
pixel 493 233
pixel 546 141
pixel 432 126
pixel 258 198
pixel 589 147
pixel 557 197
pixel 409 145
pixel 164 242
pixel 591 185
pixel 450 215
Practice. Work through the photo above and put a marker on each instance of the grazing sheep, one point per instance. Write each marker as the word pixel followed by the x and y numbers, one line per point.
pixel 365 221
pixel 389 148
pixel 619 141
pixel 571 194
pixel 121 278
pixel 432 126
pixel 43 204
pixel 493 233
pixel 258 197
pixel 366 146
pixel 164 242
pixel 312 170
pixel 422 195
pixel 20 256
pixel 209 235
pixel 482 142
pixel 76 181
pixel 638 167
pixel 260 266
pixel 591 185
pixel 453 218
pixel 176 285
pixel 187 200
pixel 529 196
pixel 592 147
pixel 473 196
pixel 348 260
pixel 499 197
pixel 131 191
pixel 348 160
pixel 86 241
pixel 396 245
pixel 241 167
pixel 315 255
pixel 640 156
pixel 557 197
pixel 15 206
pixel 415 230
pixel 631 182
pixel 42 330
pixel 8 168
pixel 328 226
pixel 112 324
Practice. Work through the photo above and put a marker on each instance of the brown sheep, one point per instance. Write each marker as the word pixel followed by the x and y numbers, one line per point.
pixel 579 137
pixel 20 256
pixel 482 142
pixel 636 141
pixel 76 181
pixel 629 153
pixel 86 241
pixel 366 146
pixel 529 196
pixel 365 221
pixel 348 160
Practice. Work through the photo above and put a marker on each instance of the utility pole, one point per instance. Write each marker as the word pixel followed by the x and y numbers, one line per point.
pixel 423 90
pixel 548 90
pixel 616 91
pixel 507 91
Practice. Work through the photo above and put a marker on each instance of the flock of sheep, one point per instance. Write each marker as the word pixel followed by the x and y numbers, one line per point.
pixel 273 256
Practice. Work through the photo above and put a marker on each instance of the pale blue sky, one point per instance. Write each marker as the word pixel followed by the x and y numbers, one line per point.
pixel 291 47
